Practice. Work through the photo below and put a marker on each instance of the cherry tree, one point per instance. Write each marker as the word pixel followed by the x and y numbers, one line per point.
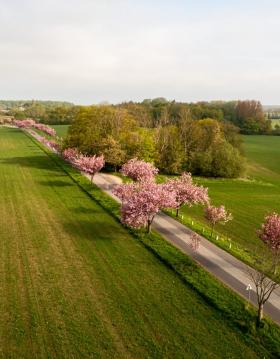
pixel 186 192
pixel 270 234
pixel 125 191
pixel 70 154
pixel 139 170
pixel 49 131
pixel 44 128
pixel 142 201
pixel 195 241
pixel 217 215
pixel 266 279
pixel 264 285
pixel 90 164
pixel 51 144
pixel 28 122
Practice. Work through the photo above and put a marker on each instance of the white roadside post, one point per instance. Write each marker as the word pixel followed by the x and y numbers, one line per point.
pixel 249 288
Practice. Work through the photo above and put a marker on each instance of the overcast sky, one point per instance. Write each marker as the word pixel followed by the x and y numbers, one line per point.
pixel 88 51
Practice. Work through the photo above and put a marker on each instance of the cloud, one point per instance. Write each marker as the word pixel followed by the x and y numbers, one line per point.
pixel 89 51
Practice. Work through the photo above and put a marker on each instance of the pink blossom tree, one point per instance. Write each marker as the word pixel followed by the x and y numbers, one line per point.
pixel 195 241
pixel 186 192
pixel 51 144
pixel 139 170
pixel 44 128
pixel 50 131
pixel 70 154
pixel 90 164
pixel 264 285
pixel 28 122
pixel 217 215
pixel 270 235
pixel 266 279
pixel 142 201
pixel 270 232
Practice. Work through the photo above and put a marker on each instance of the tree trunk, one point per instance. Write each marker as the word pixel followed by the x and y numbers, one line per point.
pixel 91 178
pixel 260 314
pixel 149 226
pixel 275 262
pixel 177 212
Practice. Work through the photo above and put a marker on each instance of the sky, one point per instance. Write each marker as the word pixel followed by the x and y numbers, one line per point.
pixel 90 51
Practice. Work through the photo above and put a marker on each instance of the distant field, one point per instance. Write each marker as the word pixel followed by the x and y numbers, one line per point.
pixel 275 122
pixel 263 153
pixel 248 200
pixel 61 130
pixel 75 284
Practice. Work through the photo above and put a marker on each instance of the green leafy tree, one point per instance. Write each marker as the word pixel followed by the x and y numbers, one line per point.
pixel 112 151
pixel 170 153
pixel 139 143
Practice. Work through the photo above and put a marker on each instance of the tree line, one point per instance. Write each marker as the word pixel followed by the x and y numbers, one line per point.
pixel 206 146
pixel 49 112
pixel 247 115
pixel 201 138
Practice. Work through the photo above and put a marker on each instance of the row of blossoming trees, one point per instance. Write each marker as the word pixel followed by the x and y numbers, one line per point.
pixel 143 199
pixel 29 123
pixel 87 164
pixel 52 141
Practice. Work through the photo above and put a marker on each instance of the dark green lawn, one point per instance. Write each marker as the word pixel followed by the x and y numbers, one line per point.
pixel 75 284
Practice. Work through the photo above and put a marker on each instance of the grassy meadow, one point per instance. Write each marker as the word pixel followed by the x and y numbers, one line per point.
pixel 275 122
pixel 75 284
pixel 250 199
pixel 61 130
pixel 263 153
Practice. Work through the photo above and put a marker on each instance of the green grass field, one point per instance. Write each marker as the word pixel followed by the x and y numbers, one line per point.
pixel 249 200
pixel 61 130
pixel 263 153
pixel 75 284
pixel 275 122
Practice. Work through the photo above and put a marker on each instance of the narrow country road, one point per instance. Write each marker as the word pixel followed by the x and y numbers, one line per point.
pixel 221 264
